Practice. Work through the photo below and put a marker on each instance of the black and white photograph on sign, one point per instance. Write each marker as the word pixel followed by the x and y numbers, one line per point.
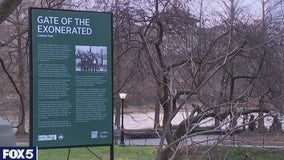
pixel 91 58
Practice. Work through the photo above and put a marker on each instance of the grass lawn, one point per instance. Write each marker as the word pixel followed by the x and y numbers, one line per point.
pixel 148 153
pixel 120 153
pixel 235 153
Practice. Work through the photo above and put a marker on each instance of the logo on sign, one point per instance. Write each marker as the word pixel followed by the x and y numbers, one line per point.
pixel 18 153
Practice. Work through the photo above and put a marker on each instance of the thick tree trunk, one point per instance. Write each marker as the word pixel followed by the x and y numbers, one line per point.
pixel 182 129
pixel 260 122
pixel 157 114
pixel 167 134
pixel 216 120
pixel 21 77
pixel 117 116
pixel 7 7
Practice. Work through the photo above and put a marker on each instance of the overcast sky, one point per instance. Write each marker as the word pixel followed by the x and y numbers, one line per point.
pixel 250 9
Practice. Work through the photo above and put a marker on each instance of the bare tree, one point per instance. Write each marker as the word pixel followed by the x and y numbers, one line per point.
pixel 189 67
pixel 20 50
pixel 164 50
pixel 15 59
pixel 8 9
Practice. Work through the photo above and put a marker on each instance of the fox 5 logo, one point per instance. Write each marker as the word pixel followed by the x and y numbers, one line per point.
pixel 18 153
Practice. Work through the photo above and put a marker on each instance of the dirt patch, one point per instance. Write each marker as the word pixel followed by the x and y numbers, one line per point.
pixel 23 136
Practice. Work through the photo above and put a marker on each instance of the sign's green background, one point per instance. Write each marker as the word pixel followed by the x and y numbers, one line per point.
pixel 76 133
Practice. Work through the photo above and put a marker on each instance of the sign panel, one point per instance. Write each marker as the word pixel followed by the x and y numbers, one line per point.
pixel 71 78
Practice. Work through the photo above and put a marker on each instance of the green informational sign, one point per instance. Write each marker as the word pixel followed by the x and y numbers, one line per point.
pixel 71 80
